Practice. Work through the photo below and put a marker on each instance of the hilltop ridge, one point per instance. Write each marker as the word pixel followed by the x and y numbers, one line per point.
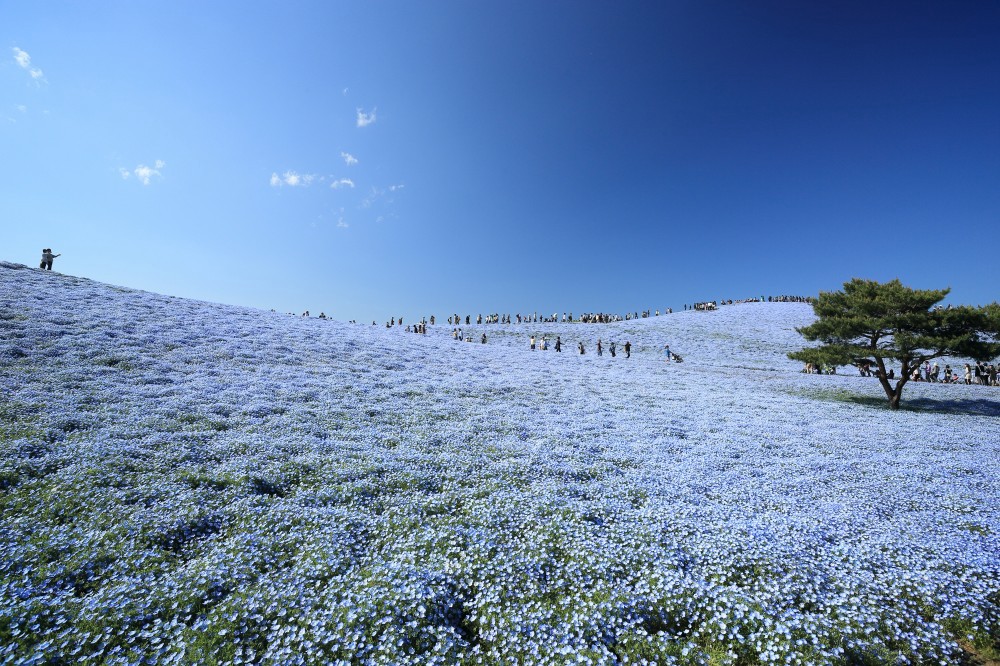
pixel 748 334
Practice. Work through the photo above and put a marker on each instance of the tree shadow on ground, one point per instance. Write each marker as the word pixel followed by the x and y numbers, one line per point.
pixel 975 407
pixel 968 406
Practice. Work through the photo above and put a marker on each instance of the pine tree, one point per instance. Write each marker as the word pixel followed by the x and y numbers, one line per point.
pixel 872 322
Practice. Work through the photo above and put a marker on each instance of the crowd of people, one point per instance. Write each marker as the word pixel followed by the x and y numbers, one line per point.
pixel 982 373
pixel 588 317
pixel 979 373
pixel 714 305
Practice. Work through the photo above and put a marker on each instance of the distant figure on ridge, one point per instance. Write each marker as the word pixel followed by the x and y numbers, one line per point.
pixel 47 258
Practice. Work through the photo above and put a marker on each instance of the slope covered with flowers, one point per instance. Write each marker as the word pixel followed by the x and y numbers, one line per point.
pixel 189 482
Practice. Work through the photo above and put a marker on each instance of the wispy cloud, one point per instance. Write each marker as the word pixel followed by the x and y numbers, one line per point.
pixel 343 182
pixel 341 224
pixel 348 158
pixel 365 119
pixel 24 62
pixel 144 174
pixel 22 58
pixel 381 195
pixel 294 179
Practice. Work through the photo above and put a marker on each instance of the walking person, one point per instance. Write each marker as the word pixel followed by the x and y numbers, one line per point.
pixel 532 343
pixel 580 344
pixel 558 344
pixel 611 348
pixel 600 350
pixel 47 258
pixel 666 353
pixel 628 349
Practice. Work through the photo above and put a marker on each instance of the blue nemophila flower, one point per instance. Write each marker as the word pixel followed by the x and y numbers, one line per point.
pixel 185 481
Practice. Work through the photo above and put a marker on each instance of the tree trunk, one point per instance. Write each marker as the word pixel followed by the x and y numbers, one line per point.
pixel 897 394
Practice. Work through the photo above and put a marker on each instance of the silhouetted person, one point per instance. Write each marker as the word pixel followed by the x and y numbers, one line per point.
pixel 47 258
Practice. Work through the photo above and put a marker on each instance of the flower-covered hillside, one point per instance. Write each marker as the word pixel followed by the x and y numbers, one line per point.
pixel 189 482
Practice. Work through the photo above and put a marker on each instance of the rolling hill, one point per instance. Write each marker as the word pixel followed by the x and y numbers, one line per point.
pixel 183 481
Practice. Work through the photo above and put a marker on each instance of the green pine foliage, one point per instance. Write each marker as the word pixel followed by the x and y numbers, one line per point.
pixel 880 323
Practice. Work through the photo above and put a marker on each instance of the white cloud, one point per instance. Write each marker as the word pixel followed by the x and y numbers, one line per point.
pixel 294 179
pixel 344 91
pixel 22 58
pixel 396 188
pixel 365 119
pixel 145 173
pixel 22 108
pixel 348 158
pixel 341 224
pixel 343 182
pixel 24 61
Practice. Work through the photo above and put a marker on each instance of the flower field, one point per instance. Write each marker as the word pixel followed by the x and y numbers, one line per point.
pixel 186 482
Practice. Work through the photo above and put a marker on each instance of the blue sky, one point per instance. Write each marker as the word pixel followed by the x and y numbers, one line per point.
pixel 377 159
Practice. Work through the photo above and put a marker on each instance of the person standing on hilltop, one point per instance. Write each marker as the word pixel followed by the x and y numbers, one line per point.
pixel 47 258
